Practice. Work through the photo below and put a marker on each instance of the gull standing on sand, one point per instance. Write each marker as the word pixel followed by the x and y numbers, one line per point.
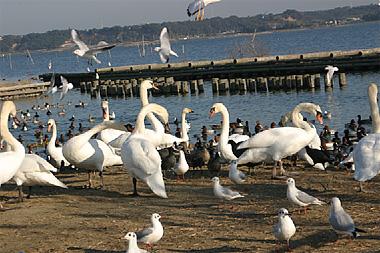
pixel 330 72
pixel 300 198
pixel 341 221
pixel 198 7
pixel 152 234
pixel 132 244
pixel 285 228
pixel 236 176
pixel 66 86
pixel 224 192
pixel 165 50
pixel 89 52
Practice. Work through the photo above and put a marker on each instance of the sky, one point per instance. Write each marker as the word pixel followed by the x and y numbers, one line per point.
pixel 27 16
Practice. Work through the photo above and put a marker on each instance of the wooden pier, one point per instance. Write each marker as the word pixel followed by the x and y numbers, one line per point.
pixel 22 89
pixel 284 72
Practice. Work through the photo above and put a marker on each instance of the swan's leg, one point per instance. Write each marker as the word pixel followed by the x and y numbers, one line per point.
pixel 288 244
pixel 29 193
pixel 203 14
pixel 62 165
pixel 134 180
pixel 274 171
pixel 20 194
pixel 282 171
pixel 101 179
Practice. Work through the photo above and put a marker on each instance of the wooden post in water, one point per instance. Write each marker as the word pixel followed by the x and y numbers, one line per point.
pixel 215 85
pixel 317 80
pixel 177 87
pixel 232 85
pixel 103 90
pixel 223 85
pixel 299 81
pixel 243 85
pixel 201 88
pixel 120 90
pixel 82 87
pixel 342 79
pixel 185 87
pixel 193 86
pixel 135 87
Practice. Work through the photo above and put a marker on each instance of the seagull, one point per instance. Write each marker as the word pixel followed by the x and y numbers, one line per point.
pixel 164 50
pixel 285 228
pixel 132 245
pixel 66 86
pixel 224 192
pixel 198 7
pixel 342 221
pixel 330 72
pixel 52 88
pixel 181 167
pixel 236 175
pixel 300 198
pixel 152 234
pixel 89 52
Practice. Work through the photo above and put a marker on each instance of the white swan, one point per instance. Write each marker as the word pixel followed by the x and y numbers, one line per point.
pixel 92 154
pixel 140 156
pixel 55 153
pixel 224 148
pixel 277 143
pixel 108 135
pixel 366 153
pixel 181 167
pixel 35 170
pixel 11 160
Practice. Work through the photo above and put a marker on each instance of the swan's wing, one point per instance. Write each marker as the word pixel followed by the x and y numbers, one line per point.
pixel 42 164
pixel 146 159
pixel 164 39
pixel 366 157
pixel 82 46
pixel 238 138
pixel 194 7
pixel 269 137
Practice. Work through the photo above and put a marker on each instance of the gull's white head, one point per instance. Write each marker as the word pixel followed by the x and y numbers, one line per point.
pixel 155 217
pixel 335 203
pixel 130 236
pixel 282 212
pixel 290 181
pixel 78 52
pixel 215 179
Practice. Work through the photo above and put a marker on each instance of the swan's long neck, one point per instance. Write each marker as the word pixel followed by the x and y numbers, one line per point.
pixel 225 126
pixel 372 96
pixel 297 120
pixel 53 135
pixel 184 135
pixel 4 131
pixel 157 125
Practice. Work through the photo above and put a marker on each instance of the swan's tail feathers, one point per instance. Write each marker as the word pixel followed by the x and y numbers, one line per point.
pixel 43 178
pixel 252 156
pixel 157 185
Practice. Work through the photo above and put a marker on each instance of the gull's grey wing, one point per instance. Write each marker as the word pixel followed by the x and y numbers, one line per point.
pixel 164 39
pixel 164 58
pixel 194 7
pixel 229 192
pixel 100 48
pixel 304 197
pixel 80 44
pixel 342 221
pixel 52 80
pixel 143 233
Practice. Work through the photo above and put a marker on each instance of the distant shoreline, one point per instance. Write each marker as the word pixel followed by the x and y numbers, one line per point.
pixel 131 44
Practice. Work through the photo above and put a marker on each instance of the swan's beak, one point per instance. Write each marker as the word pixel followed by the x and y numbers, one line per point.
pixel 49 128
pixel 155 86
pixel 212 112
pixel 319 118
pixel 104 113
pixel 191 111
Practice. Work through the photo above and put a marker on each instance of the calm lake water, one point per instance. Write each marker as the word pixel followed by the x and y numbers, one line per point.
pixel 344 104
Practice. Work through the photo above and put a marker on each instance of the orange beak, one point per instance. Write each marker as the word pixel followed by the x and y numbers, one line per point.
pixel 319 118
pixel 49 128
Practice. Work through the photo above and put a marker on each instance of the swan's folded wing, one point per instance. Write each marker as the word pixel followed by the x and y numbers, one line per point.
pixel 366 157
pixel 146 158
pixel 269 137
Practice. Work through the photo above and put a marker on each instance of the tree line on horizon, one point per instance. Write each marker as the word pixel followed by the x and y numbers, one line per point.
pixel 289 19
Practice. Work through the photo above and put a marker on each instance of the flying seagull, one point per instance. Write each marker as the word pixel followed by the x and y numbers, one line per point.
pixel 89 52
pixel 66 86
pixel 164 50
pixel 198 7
pixel 330 72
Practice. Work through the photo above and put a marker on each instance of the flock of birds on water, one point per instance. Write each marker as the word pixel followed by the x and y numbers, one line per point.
pixel 146 153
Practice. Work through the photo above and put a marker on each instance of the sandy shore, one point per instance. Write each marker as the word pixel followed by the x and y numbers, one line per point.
pixel 94 220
